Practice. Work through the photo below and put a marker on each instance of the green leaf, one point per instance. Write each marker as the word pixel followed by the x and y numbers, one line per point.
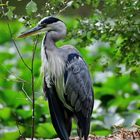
pixel 10 12
pixel 2 4
pixel 10 133
pixel 24 113
pixel 31 7
pixel 5 113
pixel 101 132
pixel 119 40
pixel 4 32
pixel 13 98
pixel 42 106
pixel 45 130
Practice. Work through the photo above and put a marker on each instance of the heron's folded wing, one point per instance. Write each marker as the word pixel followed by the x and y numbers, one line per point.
pixel 78 91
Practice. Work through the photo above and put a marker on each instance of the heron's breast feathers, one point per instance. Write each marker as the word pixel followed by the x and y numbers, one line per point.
pixel 53 68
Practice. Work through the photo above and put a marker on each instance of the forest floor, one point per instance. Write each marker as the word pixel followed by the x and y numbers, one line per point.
pixel 120 134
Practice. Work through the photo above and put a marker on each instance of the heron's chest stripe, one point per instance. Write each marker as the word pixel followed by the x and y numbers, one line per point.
pixel 72 56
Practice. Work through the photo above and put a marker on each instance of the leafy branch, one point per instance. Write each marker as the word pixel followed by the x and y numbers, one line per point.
pixel 31 69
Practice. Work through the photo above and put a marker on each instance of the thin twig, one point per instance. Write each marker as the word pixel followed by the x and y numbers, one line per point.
pixel 33 90
pixel 26 93
pixel 21 136
pixel 68 4
pixel 18 79
pixel 17 48
pixel 17 124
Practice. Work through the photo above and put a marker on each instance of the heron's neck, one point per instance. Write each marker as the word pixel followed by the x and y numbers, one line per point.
pixel 48 42
pixel 52 37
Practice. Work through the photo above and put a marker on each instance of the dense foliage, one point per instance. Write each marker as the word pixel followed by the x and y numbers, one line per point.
pixel 108 40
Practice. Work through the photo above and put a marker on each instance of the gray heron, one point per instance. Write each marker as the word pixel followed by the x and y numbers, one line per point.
pixel 67 82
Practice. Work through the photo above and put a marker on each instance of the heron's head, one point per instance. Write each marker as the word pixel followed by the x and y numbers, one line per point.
pixel 47 24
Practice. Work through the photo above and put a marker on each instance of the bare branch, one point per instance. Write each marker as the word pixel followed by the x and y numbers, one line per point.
pixel 33 90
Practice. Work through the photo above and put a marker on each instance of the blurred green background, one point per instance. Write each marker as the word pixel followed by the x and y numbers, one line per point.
pixel 107 35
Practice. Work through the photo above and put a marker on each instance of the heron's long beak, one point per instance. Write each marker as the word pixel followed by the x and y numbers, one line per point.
pixel 31 32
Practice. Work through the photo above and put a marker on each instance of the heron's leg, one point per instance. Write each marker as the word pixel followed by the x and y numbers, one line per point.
pixel 79 131
pixel 68 121
pixel 83 126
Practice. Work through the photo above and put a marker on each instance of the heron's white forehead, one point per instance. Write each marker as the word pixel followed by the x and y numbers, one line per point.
pixel 45 18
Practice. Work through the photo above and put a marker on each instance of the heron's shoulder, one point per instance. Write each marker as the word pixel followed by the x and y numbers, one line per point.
pixel 69 49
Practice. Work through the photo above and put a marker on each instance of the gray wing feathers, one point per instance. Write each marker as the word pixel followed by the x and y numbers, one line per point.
pixel 79 87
